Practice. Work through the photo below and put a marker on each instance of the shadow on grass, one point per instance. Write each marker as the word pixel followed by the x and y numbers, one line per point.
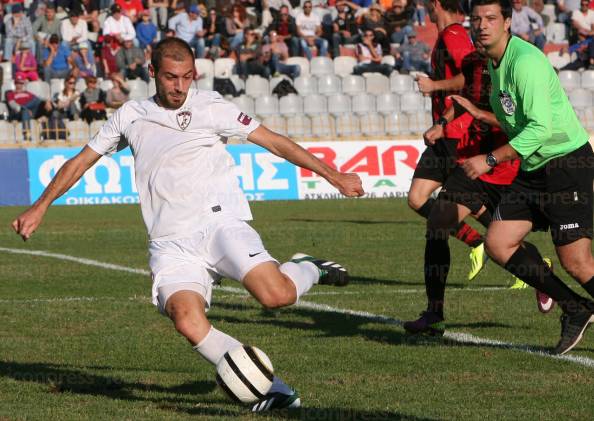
pixel 59 379
pixel 361 280
pixel 357 221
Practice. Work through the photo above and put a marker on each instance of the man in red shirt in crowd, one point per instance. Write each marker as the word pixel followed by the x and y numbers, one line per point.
pixel 24 106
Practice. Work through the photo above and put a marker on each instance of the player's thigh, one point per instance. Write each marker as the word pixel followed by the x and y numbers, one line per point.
pixel 235 248
pixel 269 285
pixel 504 237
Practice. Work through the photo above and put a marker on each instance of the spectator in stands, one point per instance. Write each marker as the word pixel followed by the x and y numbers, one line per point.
pixel 286 29
pixel 74 29
pixel 527 24
pixel 235 25
pixel 275 7
pixel 82 61
pixel 24 106
pixel 188 26
pixel 9 5
pixel 18 29
pixel 158 11
pixel 131 60
pixel 146 31
pixel 24 62
pixel 90 14
pixel 131 8
pixel 369 55
pixel 564 9
pixel 275 55
pixel 119 92
pixel 309 29
pixel 56 63
pixel 117 25
pixel 92 102
pixel 250 57
pixel 420 12
pixel 45 26
pixel 109 52
pixel 374 21
pixel 582 20
pixel 344 28
pixel 414 55
pixel 214 26
pixel 65 102
pixel 399 20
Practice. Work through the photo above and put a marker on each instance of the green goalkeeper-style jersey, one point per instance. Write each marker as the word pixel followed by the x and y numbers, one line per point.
pixel 529 102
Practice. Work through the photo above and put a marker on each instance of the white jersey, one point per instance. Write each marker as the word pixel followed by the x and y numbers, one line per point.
pixel 182 169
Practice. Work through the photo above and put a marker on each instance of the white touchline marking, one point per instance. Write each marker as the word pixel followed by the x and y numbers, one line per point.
pixel 459 337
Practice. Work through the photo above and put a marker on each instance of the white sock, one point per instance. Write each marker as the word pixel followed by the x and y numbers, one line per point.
pixel 303 275
pixel 215 344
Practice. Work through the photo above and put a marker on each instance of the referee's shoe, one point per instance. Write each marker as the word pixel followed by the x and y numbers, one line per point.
pixel 573 327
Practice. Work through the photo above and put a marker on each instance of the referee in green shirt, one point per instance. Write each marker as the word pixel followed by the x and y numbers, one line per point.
pixel 553 189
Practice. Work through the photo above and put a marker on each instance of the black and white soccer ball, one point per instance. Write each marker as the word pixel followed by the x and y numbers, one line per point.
pixel 245 374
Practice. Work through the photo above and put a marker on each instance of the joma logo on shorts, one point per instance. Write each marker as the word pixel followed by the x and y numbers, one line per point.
pixel 569 226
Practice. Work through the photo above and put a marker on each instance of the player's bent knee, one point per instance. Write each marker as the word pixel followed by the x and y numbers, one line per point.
pixel 277 299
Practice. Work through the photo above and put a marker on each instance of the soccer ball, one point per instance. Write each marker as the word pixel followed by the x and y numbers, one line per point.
pixel 245 374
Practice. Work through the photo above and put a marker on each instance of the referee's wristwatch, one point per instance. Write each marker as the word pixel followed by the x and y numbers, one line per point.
pixel 442 121
pixel 491 160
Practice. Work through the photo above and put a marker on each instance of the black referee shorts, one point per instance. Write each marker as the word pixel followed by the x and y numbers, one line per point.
pixel 437 161
pixel 557 196
pixel 473 194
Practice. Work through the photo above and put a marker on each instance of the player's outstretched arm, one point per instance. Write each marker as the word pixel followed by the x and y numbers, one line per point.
pixel 473 110
pixel 427 86
pixel 348 184
pixel 27 222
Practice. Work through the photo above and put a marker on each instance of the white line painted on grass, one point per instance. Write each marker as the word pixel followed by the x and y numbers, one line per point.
pixel 459 337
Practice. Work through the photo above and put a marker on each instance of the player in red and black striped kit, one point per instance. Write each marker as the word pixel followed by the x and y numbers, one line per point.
pixel 438 160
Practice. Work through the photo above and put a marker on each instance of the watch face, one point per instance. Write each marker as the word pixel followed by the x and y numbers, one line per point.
pixel 491 160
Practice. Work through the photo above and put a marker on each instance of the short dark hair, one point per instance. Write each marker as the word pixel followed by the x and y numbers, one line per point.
pixel 506 6
pixel 452 6
pixel 175 48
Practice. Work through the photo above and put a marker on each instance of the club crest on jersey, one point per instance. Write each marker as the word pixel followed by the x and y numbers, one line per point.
pixel 244 119
pixel 507 103
pixel 183 119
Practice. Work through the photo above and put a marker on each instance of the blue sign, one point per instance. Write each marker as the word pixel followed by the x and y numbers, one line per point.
pixel 14 178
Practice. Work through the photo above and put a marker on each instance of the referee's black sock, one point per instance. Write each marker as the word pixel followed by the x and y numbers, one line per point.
pixel 527 264
pixel 437 266
pixel 425 209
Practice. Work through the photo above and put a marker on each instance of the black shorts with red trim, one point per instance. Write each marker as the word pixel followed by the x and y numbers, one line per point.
pixel 473 194
pixel 437 161
pixel 557 196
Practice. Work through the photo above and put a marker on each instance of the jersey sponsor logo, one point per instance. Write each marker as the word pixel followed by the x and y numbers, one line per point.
pixel 569 226
pixel 244 119
pixel 507 103
pixel 184 118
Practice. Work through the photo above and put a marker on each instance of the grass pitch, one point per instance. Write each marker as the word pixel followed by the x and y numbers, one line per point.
pixel 80 342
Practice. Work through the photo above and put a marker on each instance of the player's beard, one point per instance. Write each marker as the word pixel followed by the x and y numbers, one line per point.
pixel 165 100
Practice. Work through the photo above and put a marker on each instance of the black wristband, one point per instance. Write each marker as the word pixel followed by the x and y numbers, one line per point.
pixel 442 121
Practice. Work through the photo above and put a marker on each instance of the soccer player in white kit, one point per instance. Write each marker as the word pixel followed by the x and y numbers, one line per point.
pixel 193 207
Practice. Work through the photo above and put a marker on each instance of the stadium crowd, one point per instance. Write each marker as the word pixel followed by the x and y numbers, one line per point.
pixel 65 41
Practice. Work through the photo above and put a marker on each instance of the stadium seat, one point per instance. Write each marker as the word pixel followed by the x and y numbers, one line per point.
pixel 387 103
pixel 401 83
pixel 266 105
pixel 587 79
pixel 321 66
pixel 223 67
pixel 152 88
pixel 80 84
pixel 291 105
pixel 580 98
pixel 7 135
pixel 570 79
pixel 298 126
pixel 363 104
pixel 204 67
pixel 302 62
pixel 347 125
pixel 138 89
pixel 558 60
pixel 306 85
pixel 205 84
pixel 106 85
pixel 322 125
pixel 555 33
pixel 244 103
pixel 353 84
pixel 256 86
pixel 328 84
pixel 343 65
pixel 419 122
pixel 78 131
pixel 412 102
pixel 238 83
pixel 339 104
pixel 96 126
pixel 396 123
pixel 276 80
pixel 6 70
pixel 389 59
pixel 372 125
pixel 428 104
pixel 40 89
pixel 315 105
pixel 588 118
pixel 276 123
pixel 56 86
pixel 376 83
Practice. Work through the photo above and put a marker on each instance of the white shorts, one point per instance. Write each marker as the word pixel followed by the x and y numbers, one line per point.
pixel 222 247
